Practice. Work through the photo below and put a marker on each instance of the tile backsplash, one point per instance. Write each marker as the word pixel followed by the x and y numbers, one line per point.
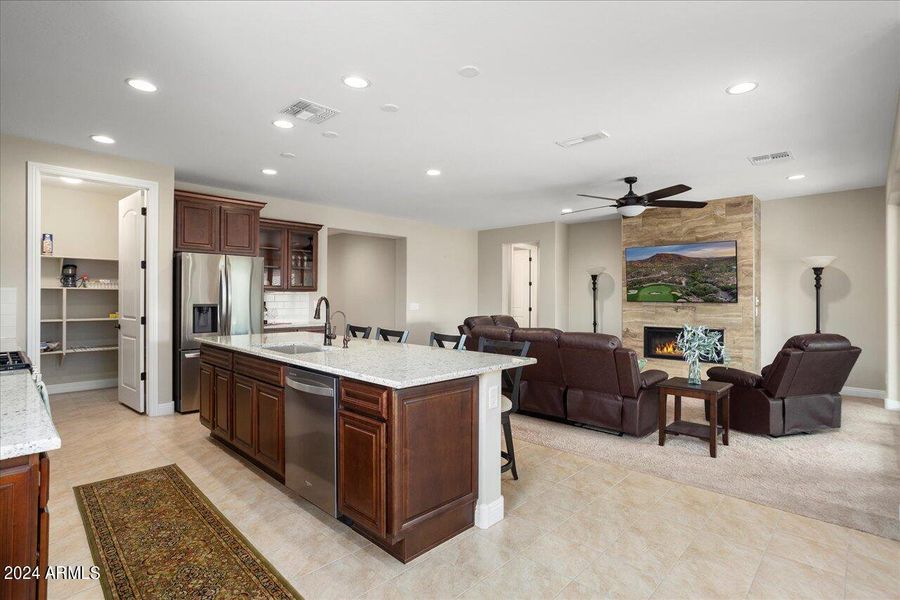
pixel 288 306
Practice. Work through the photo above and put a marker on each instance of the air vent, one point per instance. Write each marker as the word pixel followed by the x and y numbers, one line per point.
pixel 600 135
pixel 310 112
pixel 764 159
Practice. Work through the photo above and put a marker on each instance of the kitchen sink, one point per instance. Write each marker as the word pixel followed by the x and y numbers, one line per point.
pixel 293 348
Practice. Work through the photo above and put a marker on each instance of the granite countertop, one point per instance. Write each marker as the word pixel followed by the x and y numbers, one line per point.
pixel 25 423
pixel 383 363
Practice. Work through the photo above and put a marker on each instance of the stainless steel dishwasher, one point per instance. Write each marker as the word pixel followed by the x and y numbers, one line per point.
pixel 310 415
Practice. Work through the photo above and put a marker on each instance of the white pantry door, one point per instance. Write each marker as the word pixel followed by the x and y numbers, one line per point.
pixel 131 301
pixel 521 283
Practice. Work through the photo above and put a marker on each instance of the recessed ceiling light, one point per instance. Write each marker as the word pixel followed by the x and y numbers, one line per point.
pixel 356 82
pixel 741 88
pixel 796 177
pixel 600 135
pixel 390 107
pixel 433 172
pixel 142 85
pixel 330 134
pixel 102 139
pixel 269 172
pixel 287 155
pixel 565 211
pixel 469 71
pixel 283 124
pixel 72 180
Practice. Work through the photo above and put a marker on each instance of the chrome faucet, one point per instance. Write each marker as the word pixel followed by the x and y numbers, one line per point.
pixel 329 330
pixel 346 340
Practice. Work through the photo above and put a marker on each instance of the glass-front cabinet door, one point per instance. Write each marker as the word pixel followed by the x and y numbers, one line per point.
pixel 271 249
pixel 302 246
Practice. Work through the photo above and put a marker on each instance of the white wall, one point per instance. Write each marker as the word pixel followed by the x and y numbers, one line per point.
pixel 362 279
pixel 552 277
pixel 849 225
pixel 439 272
pixel 595 244
pixel 15 153
pixel 84 224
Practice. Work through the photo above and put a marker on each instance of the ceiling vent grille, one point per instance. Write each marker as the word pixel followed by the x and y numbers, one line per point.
pixel 600 135
pixel 764 159
pixel 310 112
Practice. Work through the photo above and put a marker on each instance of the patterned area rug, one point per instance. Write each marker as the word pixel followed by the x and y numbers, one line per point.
pixel 155 535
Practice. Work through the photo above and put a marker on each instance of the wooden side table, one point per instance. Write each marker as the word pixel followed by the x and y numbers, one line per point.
pixel 709 391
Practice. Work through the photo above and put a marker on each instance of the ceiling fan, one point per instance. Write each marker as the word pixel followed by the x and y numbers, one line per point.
pixel 631 204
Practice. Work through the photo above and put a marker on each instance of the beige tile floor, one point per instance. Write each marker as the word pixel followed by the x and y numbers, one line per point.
pixel 575 528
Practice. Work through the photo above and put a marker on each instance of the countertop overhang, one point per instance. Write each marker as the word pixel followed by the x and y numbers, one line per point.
pixel 25 424
pixel 383 363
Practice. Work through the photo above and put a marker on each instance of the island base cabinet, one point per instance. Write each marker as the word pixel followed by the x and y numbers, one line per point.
pixel 24 524
pixel 408 480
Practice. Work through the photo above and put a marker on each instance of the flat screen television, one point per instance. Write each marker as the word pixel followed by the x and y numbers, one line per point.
pixel 683 273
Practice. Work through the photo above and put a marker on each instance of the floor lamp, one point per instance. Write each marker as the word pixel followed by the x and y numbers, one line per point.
pixel 818 264
pixel 595 273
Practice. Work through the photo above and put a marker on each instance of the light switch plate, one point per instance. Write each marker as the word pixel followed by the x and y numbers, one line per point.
pixel 413 306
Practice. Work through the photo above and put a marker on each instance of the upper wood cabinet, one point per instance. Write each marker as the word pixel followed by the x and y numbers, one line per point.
pixel 214 224
pixel 290 251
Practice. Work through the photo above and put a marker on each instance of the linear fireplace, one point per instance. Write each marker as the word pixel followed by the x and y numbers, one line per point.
pixel 659 342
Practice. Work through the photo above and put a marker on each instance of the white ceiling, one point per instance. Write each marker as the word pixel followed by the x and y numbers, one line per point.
pixel 650 74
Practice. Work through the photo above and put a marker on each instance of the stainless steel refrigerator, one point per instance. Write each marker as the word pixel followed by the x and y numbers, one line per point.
pixel 214 293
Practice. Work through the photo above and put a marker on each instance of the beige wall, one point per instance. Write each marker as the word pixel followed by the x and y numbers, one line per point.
pixel 595 244
pixel 552 274
pixel 440 279
pixel 849 225
pixel 362 279
pixel 84 224
pixel 15 153
pixel 892 254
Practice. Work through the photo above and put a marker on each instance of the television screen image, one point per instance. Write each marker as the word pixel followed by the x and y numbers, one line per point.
pixel 704 272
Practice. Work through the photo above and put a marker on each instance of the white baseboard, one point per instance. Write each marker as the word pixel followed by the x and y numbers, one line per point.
pixel 863 392
pixel 489 514
pixel 891 404
pixel 81 386
pixel 166 408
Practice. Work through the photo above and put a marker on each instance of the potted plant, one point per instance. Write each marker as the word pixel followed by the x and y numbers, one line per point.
pixel 699 343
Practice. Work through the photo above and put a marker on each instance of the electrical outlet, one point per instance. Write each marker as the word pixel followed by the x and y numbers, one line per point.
pixel 493 398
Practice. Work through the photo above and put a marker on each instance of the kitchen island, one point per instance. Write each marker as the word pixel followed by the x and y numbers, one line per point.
pixel 417 428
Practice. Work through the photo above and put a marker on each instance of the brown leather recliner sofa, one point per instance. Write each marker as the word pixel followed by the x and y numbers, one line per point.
pixel 798 393
pixel 582 378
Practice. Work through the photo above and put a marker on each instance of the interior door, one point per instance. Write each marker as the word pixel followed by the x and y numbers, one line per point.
pixel 131 301
pixel 520 286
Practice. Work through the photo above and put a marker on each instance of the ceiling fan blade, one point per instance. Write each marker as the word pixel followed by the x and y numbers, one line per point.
pixel 598 197
pixel 676 204
pixel 592 208
pixel 666 192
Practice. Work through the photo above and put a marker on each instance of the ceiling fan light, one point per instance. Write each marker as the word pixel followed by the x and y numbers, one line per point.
pixel 631 210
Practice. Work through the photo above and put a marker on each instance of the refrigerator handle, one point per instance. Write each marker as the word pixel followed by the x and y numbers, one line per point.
pixel 225 317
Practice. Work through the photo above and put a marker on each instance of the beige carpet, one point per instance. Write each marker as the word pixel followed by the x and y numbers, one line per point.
pixel 848 476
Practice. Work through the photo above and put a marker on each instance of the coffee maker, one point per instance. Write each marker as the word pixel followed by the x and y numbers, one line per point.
pixel 69 277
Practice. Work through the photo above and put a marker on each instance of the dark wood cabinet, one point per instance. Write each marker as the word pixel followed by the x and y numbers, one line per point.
pixel 221 414
pixel 243 397
pixel 24 524
pixel 407 462
pixel 269 426
pixel 206 394
pixel 290 251
pixel 214 224
pixel 362 467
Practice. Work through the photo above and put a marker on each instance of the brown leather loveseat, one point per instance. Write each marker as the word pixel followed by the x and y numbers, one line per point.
pixel 582 378
pixel 798 393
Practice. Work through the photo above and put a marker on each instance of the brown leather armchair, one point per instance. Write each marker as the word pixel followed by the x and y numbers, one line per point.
pixel 798 393
pixel 605 387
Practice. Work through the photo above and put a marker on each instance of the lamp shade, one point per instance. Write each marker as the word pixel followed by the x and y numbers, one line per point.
pixel 631 210
pixel 818 262
pixel 596 270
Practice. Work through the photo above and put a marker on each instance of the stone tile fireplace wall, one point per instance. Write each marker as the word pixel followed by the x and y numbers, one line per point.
pixel 725 219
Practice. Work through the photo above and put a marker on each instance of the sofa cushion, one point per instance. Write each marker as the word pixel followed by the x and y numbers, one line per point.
pixel 472 322
pixel 505 321
pixel 492 332
pixel 651 377
pixel 734 376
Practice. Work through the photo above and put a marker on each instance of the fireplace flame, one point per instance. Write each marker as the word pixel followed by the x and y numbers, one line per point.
pixel 668 349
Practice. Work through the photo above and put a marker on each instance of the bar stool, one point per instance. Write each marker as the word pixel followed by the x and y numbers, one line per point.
pixel 457 342
pixel 356 330
pixel 387 334
pixel 509 403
